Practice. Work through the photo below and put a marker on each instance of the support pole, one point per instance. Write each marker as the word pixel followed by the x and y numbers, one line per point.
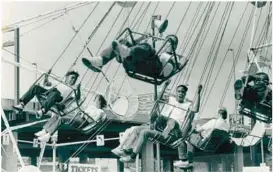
pixel 262 150
pixel 13 140
pixel 239 159
pixel 17 71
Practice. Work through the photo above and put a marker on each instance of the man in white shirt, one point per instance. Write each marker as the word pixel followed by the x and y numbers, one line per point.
pixel 54 93
pixel 185 151
pixel 166 122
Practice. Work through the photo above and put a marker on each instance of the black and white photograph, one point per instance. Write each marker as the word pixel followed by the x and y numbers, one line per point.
pixel 136 86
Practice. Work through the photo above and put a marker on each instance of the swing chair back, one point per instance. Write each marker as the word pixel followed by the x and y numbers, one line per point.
pixel 211 143
pixel 150 69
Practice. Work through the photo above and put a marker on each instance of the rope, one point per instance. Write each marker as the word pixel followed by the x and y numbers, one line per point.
pixel 69 43
pixel 179 26
pixel 89 81
pixel 43 24
pixel 237 57
pixel 201 31
pixel 149 23
pixel 111 60
pixel 83 146
pixel 55 12
pixel 214 45
pixel 203 73
pixel 199 48
pixel 187 33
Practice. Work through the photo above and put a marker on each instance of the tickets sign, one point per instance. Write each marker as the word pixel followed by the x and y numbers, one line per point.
pixel 83 168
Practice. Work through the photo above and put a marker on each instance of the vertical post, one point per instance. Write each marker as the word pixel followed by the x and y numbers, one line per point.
pixel 262 150
pixel 168 165
pixel 137 163
pixel 155 96
pixel 17 71
pixel 239 159
pixel 54 139
pixel 54 157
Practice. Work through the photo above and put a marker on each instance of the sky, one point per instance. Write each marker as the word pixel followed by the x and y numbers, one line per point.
pixel 45 44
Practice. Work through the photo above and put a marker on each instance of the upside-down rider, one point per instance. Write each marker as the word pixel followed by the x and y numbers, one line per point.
pixel 257 89
pixel 170 121
pixel 125 52
pixel 54 92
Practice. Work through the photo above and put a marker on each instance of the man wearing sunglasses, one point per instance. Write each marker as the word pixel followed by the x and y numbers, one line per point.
pixel 186 150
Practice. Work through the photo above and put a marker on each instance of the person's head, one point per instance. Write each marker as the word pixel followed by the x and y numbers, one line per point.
pixel 71 77
pixel 175 43
pixel 100 101
pixel 261 77
pixel 181 91
pixel 223 113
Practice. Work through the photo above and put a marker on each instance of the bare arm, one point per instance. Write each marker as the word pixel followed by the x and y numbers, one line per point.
pixel 196 106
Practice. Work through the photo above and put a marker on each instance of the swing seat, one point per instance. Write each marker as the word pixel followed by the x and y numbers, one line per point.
pixel 210 144
pixel 93 126
pixel 260 111
pixel 149 69
pixel 59 107
pixel 88 125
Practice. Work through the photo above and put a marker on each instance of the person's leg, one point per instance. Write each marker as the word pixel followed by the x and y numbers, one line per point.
pixel 143 137
pixel 52 98
pixel 187 124
pixel 119 150
pixel 97 62
pixel 182 151
pixel 55 123
pixel 133 136
pixel 190 152
pixel 185 154
pixel 129 139
pixel 49 128
pixel 33 91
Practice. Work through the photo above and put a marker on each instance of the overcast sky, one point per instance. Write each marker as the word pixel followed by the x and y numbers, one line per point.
pixel 45 44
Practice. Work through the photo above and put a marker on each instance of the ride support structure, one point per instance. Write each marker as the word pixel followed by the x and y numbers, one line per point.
pixel 9 160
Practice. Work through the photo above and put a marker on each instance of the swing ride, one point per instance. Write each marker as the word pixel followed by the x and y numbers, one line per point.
pixel 119 91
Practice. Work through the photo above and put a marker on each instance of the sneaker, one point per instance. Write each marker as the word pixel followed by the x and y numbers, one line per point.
pixel 126 159
pixel 183 164
pixel 238 85
pixel 40 133
pixel 44 138
pixel 121 51
pixel 95 63
pixel 39 114
pixel 18 107
pixel 118 152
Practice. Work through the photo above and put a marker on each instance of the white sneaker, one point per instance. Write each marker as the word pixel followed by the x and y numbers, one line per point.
pixel 95 63
pixel 39 114
pixel 40 133
pixel 18 107
pixel 44 138
pixel 117 151
pixel 122 51
pixel 126 159
pixel 183 164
